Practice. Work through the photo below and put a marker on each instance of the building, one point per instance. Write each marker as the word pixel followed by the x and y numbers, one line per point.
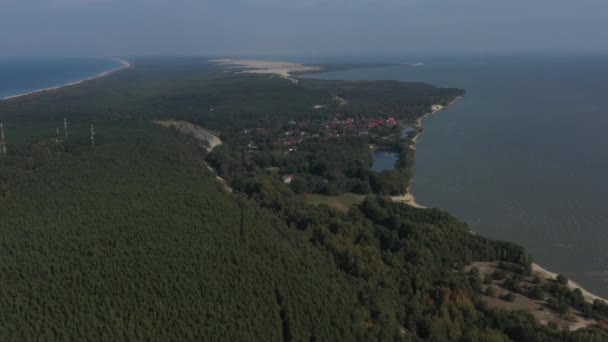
pixel 288 178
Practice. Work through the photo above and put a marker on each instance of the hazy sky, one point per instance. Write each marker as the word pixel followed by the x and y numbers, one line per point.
pixel 297 27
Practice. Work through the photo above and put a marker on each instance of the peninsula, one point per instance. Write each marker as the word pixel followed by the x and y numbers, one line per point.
pixel 234 200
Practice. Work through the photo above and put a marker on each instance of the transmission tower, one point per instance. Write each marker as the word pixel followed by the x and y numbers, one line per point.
pixel 2 140
pixel 92 135
pixel 65 128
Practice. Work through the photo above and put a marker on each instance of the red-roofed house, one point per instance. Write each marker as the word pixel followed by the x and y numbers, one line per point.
pixel 288 178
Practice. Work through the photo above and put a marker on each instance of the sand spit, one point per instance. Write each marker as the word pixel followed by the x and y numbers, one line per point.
pixel 252 66
pixel 125 65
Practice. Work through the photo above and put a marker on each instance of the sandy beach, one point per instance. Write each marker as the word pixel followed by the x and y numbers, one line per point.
pixel 125 65
pixel 590 297
pixel 409 198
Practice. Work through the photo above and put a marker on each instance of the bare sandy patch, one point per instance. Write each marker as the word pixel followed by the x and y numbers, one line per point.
pixel 590 297
pixel 253 66
pixel 540 309
pixel 408 199
pixel 197 132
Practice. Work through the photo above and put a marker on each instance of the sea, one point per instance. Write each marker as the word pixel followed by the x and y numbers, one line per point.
pixel 23 75
pixel 523 156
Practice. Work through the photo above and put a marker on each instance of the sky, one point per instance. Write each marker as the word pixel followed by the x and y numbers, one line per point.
pixel 298 27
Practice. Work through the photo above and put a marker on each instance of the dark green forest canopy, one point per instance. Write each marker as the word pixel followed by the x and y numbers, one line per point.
pixel 134 239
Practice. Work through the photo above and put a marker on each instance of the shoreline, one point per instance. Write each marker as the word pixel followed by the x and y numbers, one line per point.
pixel 125 65
pixel 408 198
pixel 590 297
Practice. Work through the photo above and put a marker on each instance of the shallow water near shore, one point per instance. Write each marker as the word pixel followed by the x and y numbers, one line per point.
pixel 23 75
pixel 523 157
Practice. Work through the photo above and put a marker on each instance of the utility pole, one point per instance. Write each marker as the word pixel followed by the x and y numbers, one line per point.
pixel 2 140
pixel 92 135
pixel 65 128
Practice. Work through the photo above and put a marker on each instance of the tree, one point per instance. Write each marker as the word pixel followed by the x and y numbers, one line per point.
pixel 537 293
pixel 498 275
pixel 299 185
pixel 510 297
pixel 490 292
pixel 561 279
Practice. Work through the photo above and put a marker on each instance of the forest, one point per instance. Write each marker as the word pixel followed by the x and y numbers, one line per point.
pixel 134 239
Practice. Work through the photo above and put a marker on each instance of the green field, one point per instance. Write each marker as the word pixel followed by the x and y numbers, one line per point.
pixel 341 202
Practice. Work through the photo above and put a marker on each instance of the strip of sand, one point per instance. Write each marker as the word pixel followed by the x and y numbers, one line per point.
pixel 125 65
pixel 190 129
pixel 408 198
pixel 199 133
pixel 590 297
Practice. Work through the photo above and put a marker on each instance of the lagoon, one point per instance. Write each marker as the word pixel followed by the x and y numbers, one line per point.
pixel 523 156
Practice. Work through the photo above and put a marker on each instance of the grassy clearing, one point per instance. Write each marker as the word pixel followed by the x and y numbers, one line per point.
pixel 342 202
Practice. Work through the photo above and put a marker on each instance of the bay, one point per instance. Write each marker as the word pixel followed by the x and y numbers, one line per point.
pixel 523 156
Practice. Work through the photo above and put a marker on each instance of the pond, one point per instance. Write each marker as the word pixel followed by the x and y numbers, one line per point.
pixel 384 160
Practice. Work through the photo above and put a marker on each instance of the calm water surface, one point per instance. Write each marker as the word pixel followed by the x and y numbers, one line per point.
pixel 22 75
pixel 523 157
pixel 383 160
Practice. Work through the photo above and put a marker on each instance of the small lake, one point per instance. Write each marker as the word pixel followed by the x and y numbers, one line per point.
pixel 384 160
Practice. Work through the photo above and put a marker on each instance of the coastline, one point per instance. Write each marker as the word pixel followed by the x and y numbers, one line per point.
pixel 408 198
pixel 125 65
pixel 590 297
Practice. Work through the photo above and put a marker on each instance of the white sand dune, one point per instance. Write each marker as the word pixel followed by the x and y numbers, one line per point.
pixel 192 130
pixel 253 66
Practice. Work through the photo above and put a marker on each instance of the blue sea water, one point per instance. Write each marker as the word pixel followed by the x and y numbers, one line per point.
pixel 523 156
pixel 23 75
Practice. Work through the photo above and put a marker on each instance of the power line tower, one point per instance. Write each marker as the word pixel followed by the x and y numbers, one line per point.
pixel 65 128
pixel 92 135
pixel 2 140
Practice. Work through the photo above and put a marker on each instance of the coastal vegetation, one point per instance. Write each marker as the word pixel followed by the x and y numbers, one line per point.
pixel 134 238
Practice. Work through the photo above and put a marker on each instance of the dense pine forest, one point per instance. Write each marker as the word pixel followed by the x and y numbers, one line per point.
pixel 134 238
